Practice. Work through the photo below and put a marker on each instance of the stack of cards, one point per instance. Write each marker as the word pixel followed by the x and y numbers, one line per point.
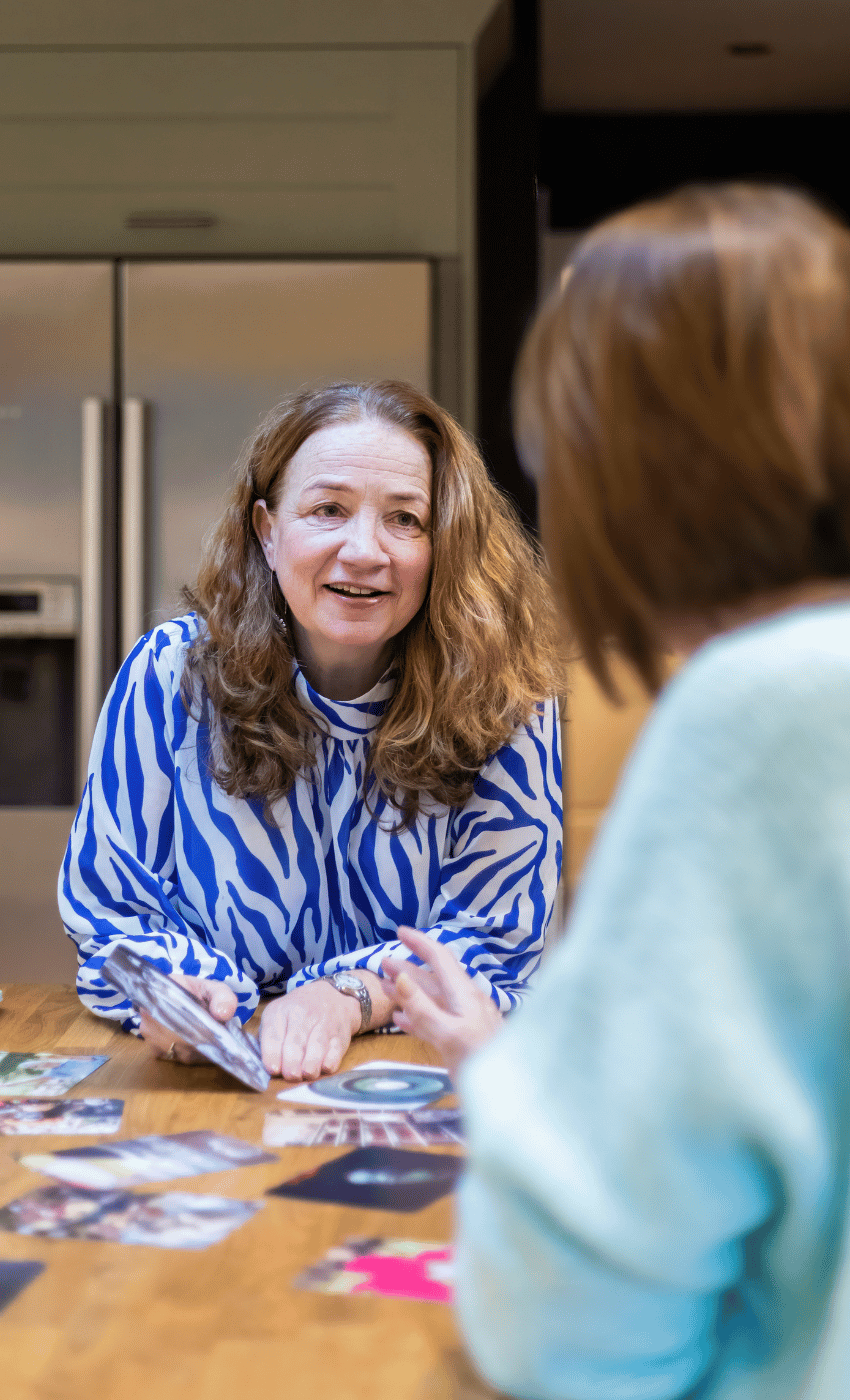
pixel 185 1018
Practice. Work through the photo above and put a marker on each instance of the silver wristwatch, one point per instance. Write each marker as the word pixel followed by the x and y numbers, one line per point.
pixel 353 986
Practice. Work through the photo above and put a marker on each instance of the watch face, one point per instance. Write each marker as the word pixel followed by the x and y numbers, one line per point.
pixel 348 979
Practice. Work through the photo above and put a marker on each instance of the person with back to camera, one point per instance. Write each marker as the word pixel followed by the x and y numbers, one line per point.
pixel 659 1140
pixel 355 728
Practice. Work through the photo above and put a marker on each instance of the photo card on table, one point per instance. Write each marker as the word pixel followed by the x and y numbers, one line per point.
pixel 183 1016
pixel 378 1178
pixel 136 1161
pixel 422 1127
pixel 418 1270
pixel 168 1220
pixel 15 1274
pixel 39 1074
pixel 27 1117
pixel 378 1084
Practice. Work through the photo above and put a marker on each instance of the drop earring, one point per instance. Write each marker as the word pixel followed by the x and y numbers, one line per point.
pixel 279 611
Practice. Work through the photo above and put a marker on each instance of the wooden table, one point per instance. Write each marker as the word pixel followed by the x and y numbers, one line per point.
pixel 123 1322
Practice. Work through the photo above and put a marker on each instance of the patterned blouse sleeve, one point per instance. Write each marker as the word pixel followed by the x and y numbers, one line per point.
pixel 496 890
pixel 117 884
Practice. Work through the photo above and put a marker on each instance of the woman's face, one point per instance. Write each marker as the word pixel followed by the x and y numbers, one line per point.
pixel 350 543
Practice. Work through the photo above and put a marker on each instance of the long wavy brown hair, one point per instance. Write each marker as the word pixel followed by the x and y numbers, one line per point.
pixel 481 654
pixel 684 399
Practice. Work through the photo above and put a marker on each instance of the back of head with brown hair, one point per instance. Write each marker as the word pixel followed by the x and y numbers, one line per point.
pixel 684 400
pixel 481 654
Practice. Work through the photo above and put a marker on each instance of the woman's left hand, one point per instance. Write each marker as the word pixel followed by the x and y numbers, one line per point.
pixel 306 1032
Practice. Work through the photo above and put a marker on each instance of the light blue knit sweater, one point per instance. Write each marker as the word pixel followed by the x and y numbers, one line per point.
pixel 659 1139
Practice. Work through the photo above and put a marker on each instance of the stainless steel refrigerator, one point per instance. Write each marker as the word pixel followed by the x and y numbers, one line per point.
pixel 126 391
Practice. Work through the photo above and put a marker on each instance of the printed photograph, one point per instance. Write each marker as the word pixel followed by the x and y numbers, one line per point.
pixel 136 1161
pixel 171 1220
pixel 390 1268
pixel 177 1010
pixel 30 1116
pixel 15 1274
pixel 376 1084
pixel 425 1127
pixel 378 1178
pixel 37 1074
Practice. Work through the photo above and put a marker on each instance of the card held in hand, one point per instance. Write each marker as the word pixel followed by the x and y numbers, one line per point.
pixel 185 1018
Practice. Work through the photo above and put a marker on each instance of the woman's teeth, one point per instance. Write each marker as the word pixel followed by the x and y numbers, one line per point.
pixel 349 589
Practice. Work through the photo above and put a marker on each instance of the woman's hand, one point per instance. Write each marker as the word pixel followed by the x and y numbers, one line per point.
pixel 218 999
pixel 306 1032
pixel 440 1002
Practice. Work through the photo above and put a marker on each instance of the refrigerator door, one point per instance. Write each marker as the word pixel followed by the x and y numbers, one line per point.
pixel 56 380
pixel 209 349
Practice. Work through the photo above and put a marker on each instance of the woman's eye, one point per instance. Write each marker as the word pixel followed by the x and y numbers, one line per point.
pixel 328 508
pixel 408 521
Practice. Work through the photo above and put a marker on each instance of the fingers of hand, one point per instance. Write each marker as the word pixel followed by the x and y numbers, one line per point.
pixel 315 1049
pixel 423 1014
pixel 452 981
pixel 391 967
pixel 333 1055
pixel 272 1032
pixel 422 976
pixel 220 1000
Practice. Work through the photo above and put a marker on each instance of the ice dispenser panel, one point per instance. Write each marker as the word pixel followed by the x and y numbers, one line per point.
pixel 38 690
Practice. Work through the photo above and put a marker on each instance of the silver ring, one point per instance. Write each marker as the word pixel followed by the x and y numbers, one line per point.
pixel 169 1054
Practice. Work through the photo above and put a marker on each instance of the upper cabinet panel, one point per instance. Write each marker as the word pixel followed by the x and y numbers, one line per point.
pixel 324 151
pixel 88 22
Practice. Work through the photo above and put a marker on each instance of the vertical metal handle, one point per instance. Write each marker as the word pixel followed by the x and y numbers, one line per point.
pixel 132 523
pixel 91 578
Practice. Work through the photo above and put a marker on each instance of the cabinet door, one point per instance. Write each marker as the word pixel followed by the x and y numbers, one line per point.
pixel 209 349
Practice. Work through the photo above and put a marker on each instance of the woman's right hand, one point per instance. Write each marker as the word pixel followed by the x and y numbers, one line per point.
pixel 218 999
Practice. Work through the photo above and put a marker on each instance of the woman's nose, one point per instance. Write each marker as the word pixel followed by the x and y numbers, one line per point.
pixel 362 542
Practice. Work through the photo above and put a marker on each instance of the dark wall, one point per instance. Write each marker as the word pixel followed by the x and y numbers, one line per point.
pixel 593 163
pixel 596 162
pixel 507 247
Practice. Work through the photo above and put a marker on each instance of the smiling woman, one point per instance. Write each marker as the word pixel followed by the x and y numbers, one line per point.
pixel 354 731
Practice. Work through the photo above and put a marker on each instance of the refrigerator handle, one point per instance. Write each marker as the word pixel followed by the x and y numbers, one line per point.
pixel 91 578
pixel 133 524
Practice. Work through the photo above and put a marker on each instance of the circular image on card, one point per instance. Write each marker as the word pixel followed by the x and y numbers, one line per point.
pixel 400 1088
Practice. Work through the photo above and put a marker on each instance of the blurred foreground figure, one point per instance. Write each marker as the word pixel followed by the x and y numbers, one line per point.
pixel 659 1140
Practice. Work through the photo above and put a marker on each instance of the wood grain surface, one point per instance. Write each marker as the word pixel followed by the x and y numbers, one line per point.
pixel 123 1322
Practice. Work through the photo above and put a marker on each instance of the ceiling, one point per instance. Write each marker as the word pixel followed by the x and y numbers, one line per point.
pixel 662 55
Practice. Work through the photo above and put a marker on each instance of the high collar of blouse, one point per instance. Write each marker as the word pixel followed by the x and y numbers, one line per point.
pixel 346 719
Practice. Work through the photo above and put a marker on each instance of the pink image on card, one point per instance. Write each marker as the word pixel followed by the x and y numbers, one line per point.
pixel 423 1277
pixel 418 1270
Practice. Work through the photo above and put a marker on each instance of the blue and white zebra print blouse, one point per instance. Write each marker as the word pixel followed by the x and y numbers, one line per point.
pixel 198 882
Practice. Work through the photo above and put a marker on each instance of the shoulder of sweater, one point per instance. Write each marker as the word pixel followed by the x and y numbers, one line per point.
pixel 798 656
